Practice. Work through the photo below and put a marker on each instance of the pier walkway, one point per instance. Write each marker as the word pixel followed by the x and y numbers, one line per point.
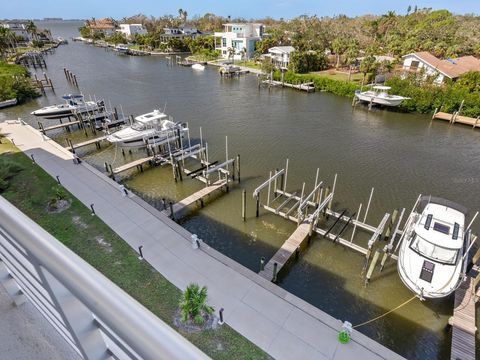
pixel 463 322
pixel 197 196
pixel 278 322
pixel 288 248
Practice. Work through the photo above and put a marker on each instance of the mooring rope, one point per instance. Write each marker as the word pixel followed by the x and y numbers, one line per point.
pixel 385 314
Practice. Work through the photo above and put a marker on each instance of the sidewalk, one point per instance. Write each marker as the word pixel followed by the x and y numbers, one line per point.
pixel 278 322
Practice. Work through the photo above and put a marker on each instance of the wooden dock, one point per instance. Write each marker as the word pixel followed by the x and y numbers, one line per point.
pixel 288 248
pixel 95 141
pixel 457 118
pixel 463 322
pixel 196 197
pixel 308 87
pixel 136 163
pixel 59 126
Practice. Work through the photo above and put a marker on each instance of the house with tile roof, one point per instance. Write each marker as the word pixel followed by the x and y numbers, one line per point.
pixel 429 65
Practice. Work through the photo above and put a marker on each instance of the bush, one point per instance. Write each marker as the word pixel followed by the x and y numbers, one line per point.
pixel 8 169
pixel 425 97
pixel 193 304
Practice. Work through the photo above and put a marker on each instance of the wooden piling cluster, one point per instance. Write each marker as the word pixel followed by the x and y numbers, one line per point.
pixel 33 59
pixel 71 77
pixel 43 83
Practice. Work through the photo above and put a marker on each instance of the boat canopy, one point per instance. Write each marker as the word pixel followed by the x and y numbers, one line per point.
pixel 441 226
pixel 72 96
pixel 382 87
pixel 152 116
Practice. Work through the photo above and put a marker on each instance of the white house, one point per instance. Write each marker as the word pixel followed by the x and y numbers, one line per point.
pixel 130 30
pixel 180 33
pixel 429 65
pixel 280 55
pixel 18 28
pixel 239 37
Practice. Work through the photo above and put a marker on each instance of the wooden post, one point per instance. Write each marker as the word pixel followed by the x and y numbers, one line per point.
pixel 372 267
pixel 244 204
pixel 257 206
pixel 171 210
pixel 238 168
pixel 274 278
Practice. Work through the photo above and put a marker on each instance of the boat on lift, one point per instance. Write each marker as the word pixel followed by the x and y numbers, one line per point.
pixel 379 95
pixel 199 67
pixel 434 248
pixel 74 104
pixel 154 127
pixel 121 49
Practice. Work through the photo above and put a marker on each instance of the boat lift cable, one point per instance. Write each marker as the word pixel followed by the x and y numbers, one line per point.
pixel 385 314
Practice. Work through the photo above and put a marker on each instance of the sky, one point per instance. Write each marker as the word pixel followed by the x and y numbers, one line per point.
pixel 248 9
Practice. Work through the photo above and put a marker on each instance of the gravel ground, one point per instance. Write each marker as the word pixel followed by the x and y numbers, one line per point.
pixel 25 334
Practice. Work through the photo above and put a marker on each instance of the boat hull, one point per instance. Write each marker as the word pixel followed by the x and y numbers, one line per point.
pixel 378 100
pixel 6 103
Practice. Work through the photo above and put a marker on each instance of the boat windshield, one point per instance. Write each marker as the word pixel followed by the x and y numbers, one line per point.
pixel 434 252
pixel 139 126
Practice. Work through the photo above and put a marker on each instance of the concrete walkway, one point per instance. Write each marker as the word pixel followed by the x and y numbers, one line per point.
pixel 278 322
pixel 26 335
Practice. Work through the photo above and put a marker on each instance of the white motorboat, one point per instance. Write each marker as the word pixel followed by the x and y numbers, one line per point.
pixel 74 104
pixel 7 103
pixel 379 95
pixel 434 246
pixel 199 67
pixel 121 49
pixel 154 128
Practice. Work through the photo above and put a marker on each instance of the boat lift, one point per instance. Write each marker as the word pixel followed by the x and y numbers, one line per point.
pixel 306 210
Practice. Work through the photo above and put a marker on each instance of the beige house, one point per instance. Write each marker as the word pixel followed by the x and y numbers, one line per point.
pixel 429 65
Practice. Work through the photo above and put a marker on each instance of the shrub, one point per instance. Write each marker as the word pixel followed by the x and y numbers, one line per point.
pixel 193 304
pixel 8 169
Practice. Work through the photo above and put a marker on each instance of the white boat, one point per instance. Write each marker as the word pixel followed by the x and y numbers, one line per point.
pixel 121 49
pixel 434 246
pixel 62 41
pixel 6 103
pixel 74 104
pixel 198 67
pixel 379 95
pixel 154 128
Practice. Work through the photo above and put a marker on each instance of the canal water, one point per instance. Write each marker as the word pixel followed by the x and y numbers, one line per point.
pixel 400 155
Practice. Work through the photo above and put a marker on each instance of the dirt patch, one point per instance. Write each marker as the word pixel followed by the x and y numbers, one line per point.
pixel 58 206
pixel 210 323
pixel 104 244
pixel 77 220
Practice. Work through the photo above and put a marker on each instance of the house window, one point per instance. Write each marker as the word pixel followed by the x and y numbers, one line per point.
pixel 414 65
pixel 224 42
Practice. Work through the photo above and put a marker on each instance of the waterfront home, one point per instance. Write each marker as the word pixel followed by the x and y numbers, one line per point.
pixel 19 28
pixel 280 55
pixel 180 32
pixel 130 30
pixel 105 26
pixel 427 64
pixel 238 40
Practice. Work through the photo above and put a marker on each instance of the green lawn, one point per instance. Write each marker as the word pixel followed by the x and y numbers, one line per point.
pixel 336 75
pixel 90 238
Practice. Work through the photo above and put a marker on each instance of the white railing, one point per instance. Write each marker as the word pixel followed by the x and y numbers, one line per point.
pixel 97 318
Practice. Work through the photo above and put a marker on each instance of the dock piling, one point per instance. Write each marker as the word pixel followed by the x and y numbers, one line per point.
pixel 244 204
pixel 274 278
pixel 262 263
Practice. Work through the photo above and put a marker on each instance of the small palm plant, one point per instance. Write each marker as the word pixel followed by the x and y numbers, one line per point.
pixel 193 304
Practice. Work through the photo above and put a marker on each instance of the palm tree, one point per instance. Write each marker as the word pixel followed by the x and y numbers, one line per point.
pixel 193 304
pixel 243 54
pixel 351 56
pixel 231 53
pixel 32 29
pixel 339 45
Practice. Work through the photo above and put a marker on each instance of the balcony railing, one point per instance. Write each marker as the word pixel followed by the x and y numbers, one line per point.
pixel 97 318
